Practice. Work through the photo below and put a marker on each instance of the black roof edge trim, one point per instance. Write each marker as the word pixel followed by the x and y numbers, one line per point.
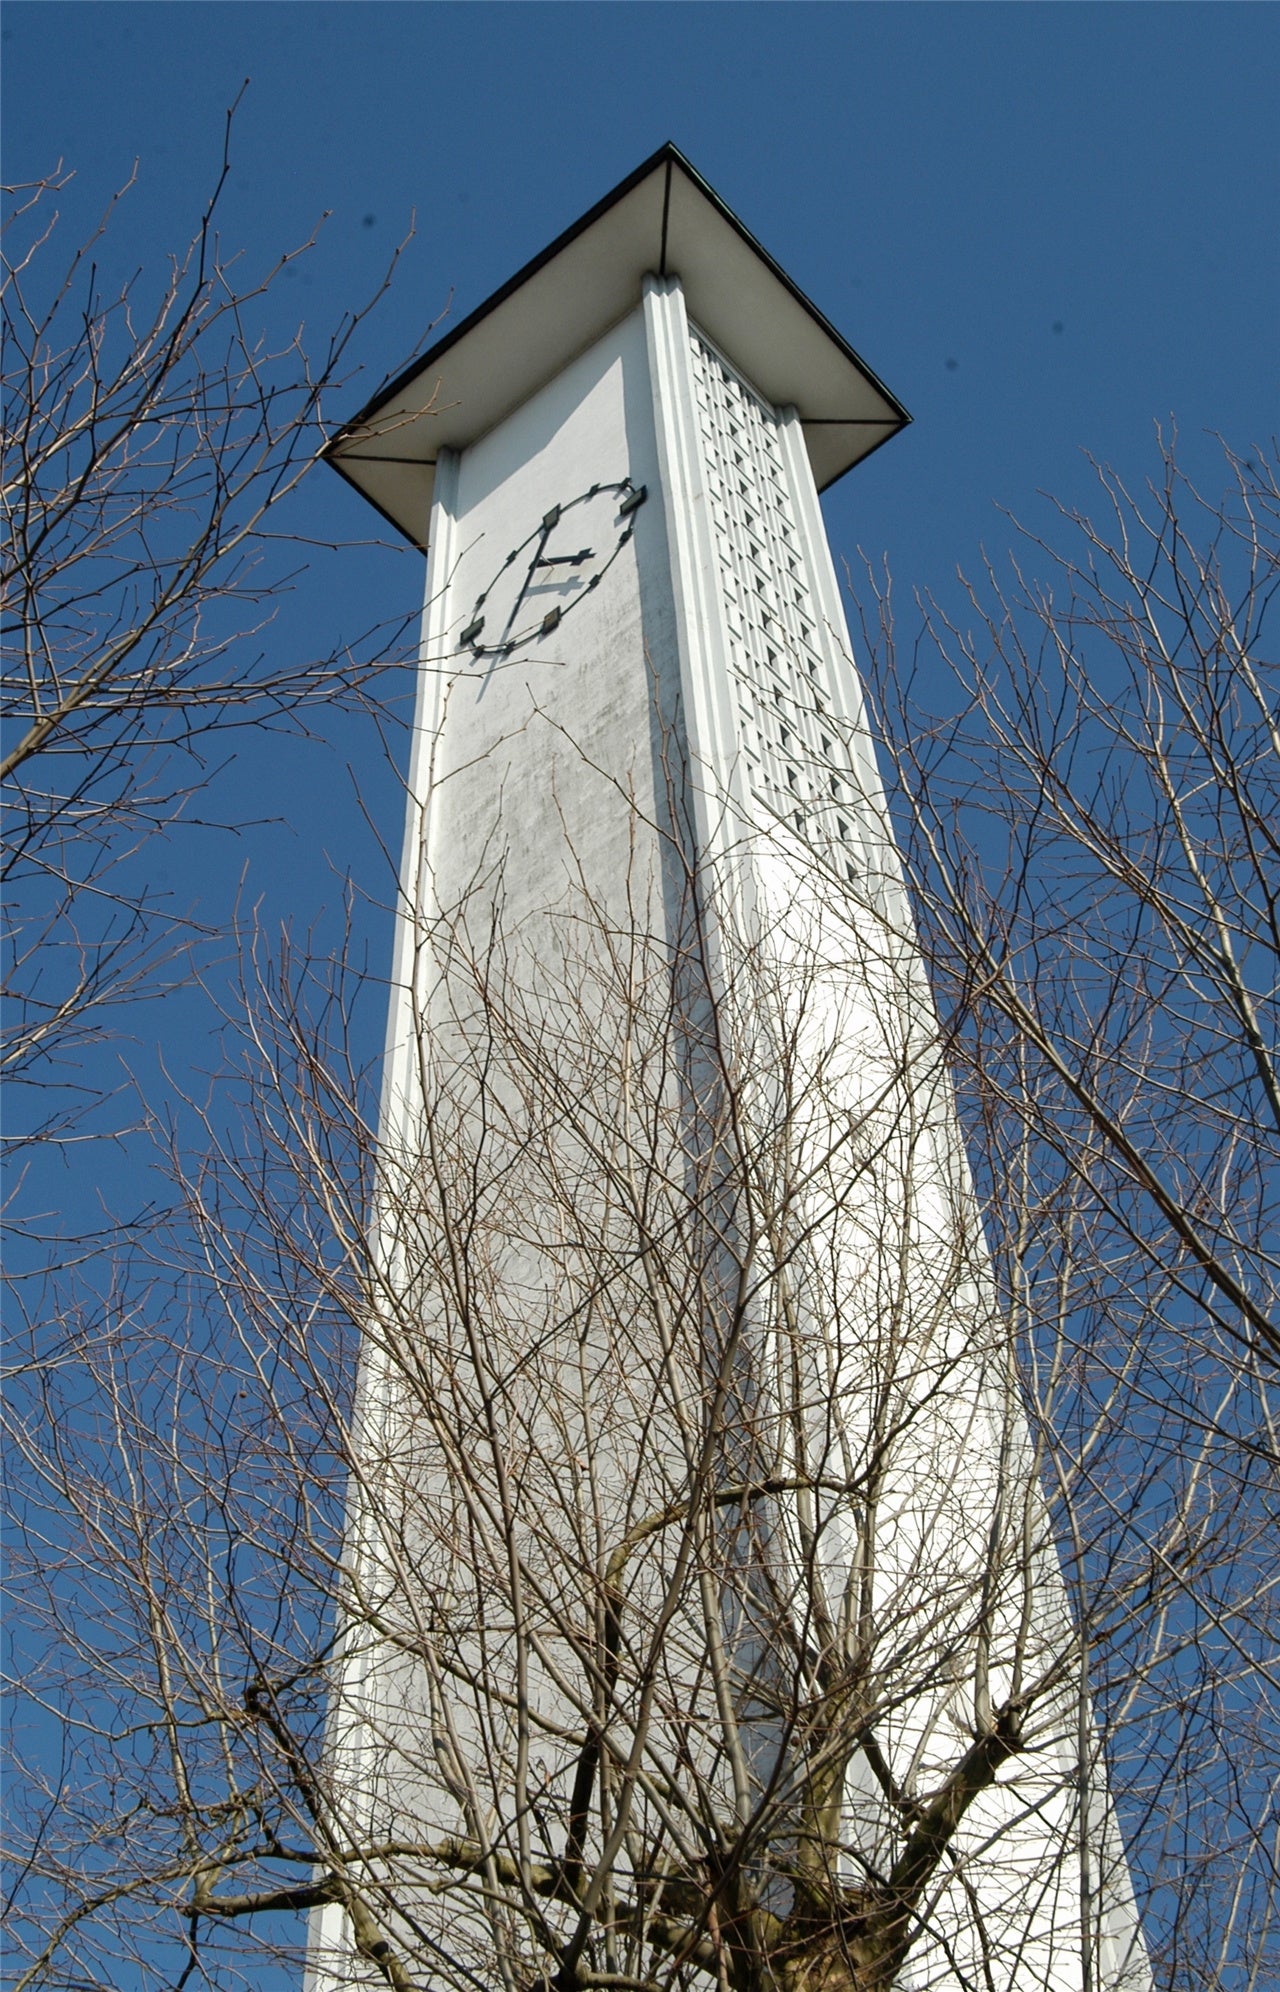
pixel 670 155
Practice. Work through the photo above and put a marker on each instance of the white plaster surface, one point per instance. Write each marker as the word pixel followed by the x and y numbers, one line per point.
pixel 550 778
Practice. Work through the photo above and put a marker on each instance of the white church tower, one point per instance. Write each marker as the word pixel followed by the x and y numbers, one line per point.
pixel 702 1627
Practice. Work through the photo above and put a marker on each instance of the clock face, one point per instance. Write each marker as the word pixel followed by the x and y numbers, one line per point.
pixel 556 566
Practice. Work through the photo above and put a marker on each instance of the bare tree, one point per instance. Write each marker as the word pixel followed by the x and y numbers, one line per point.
pixel 673 1636
pixel 1092 836
pixel 152 429
pixel 605 1529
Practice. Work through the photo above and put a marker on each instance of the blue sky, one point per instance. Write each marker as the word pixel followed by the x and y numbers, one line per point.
pixel 949 182
pixel 1045 227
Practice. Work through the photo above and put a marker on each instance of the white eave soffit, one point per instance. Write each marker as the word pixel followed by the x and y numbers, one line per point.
pixel 664 218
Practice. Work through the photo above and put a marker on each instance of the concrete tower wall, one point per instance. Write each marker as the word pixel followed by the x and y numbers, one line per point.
pixel 661 816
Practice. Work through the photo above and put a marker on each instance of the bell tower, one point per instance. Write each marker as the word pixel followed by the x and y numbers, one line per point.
pixel 693 1465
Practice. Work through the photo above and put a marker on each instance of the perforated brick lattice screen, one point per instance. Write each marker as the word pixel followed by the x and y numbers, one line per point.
pixel 789 747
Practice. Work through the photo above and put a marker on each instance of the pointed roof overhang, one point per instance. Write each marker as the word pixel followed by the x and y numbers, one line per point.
pixel 665 219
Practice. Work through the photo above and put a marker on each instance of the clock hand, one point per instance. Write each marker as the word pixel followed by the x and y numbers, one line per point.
pixel 565 559
pixel 543 537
